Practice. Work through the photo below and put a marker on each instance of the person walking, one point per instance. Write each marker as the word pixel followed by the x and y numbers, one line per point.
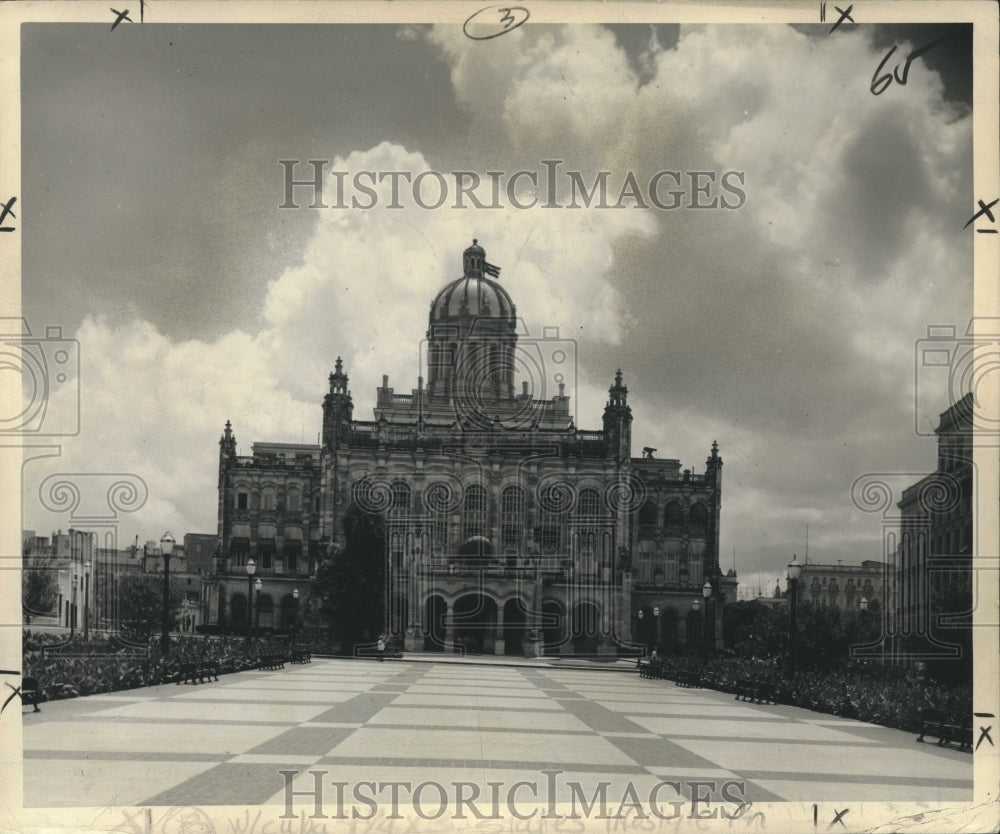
pixel 381 648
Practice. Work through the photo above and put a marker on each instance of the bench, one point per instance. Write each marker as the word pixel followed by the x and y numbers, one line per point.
pixel 947 728
pixel 652 669
pixel 272 660
pixel 301 656
pixel 756 690
pixel 687 678
pixel 197 671
pixel 31 693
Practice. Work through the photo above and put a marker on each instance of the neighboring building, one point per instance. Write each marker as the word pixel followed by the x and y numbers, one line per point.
pixel 509 530
pixel 934 553
pixel 844 586
pixel 202 551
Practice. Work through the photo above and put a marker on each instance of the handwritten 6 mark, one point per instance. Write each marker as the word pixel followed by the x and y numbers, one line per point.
pixel 882 82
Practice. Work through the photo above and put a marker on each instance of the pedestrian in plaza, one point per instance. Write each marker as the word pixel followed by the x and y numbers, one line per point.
pixel 381 648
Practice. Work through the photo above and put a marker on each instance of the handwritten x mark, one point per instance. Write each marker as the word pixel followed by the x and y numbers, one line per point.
pixel 121 16
pixel 840 814
pixel 15 693
pixel 7 208
pixel 843 16
pixel 983 209
pixel 984 733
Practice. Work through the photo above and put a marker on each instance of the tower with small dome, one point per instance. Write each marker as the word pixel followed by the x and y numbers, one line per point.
pixel 509 529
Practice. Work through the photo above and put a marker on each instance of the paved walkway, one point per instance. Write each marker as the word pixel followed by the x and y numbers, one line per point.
pixel 562 729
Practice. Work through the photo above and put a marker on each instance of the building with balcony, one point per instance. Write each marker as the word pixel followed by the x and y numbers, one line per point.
pixel 508 529
pixel 844 586
pixel 933 557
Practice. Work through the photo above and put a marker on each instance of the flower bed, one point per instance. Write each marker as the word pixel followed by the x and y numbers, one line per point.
pixel 69 668
pixel 877 694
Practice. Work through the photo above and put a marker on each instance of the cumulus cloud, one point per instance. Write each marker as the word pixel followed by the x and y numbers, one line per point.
pixel 784 329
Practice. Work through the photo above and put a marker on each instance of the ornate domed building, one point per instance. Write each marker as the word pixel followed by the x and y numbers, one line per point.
pixel 508 529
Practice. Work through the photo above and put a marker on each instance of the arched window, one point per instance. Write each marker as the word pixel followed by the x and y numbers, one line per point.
pixel 551 521
pixel 589 505
pixel 511 516
pixel 474 512
pixel 293 501
pixel 699 518
pixel 402 497
pixel 361 492
pixel 268 499
pixel 673 515
pixel 647 519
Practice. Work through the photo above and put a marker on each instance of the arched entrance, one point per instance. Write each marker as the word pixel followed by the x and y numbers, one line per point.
pixel 554 631
pixel 265 611
pixel 434 612
pixel 514 617
pixel 238 611
pixel 398 613
pixel 586 627
pixel 475 619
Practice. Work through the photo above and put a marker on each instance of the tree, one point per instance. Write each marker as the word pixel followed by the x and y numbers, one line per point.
pixel 351 587
pixel 39 584
pixel 140 603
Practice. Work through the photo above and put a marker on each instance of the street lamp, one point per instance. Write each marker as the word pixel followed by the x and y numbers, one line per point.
pixel 695 606
pixel 794 569
pixel 863 605
pixel 706 591
pixel 295 613
pixel 251 567
pixel 256 620
pixel 642 633
pixel 167 547
pixel 72 607
pixel 657 639
pixel 86 601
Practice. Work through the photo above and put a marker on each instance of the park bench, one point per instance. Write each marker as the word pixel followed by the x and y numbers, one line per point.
pixel 687 677
pixel 947 728
pixel 197 671
pixel 651 669
pixel 31 693
pixel 759 690
pixel 301 656
pixel 272 660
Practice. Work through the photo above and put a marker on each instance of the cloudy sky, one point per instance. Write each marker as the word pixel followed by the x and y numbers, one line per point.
pixel 785 329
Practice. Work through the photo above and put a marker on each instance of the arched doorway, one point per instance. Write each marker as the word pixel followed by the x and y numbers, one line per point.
pixel 514 617
pixel 434 630
pixel 398 612
pixel 265 611
pixel 554 631
pixel 287 618
pixel 238 611
pixel 475 619
pixel 586 627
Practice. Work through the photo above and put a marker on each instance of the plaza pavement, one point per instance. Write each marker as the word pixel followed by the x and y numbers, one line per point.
pixel 225 743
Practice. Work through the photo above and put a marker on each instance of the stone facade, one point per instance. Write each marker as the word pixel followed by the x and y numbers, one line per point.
pixel 508 529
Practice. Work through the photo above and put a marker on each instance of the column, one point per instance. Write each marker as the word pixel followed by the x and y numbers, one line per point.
pixel 499 644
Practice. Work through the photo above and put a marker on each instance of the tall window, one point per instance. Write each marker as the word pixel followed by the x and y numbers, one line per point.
pixel 589 505
pixel 293 501
pixel 551 522
pixel 474 515
pixel 266 549
pixel 401 498
pixel 292 550
pixel 699 519
pixel 241 501
pixel 267 499
pixel 511 516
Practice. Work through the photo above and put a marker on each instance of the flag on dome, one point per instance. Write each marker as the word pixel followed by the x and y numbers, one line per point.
pixel 491 270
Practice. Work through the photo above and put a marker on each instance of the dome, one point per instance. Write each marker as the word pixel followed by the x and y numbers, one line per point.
pixel 476 293
pixel 472 297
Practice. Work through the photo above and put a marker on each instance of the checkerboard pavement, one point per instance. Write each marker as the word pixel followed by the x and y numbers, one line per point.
pixel 226 742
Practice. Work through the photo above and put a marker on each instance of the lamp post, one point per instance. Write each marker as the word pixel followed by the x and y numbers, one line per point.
pixel 657 639
pixel 863 604
pixel 706 591
pixel 86 601
pixel 295 614
pixel 72 607
pixel 256 614
pixel 251 567
pixel 166 547
pixel 642 631
pixel 695 606
pixel 794 569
